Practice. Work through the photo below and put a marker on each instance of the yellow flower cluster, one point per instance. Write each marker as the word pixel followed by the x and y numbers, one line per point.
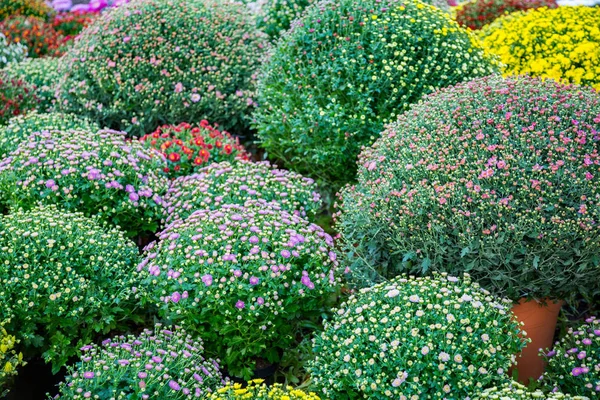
pixel 561 43
pixel 9 359
pixel 257 390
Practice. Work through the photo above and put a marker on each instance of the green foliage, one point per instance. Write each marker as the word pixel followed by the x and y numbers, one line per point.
pixel 97 173
pixel 150 63
pixel 241 277
pixel 421 338
pixel 348 68
pixel 21 127
pixel 495 177
pixel 64 278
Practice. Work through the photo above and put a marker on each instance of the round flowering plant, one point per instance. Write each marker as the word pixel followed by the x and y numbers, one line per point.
pixel 19 128
pixel 574 363
pixel 199 62
pixel 549 43
pixel 241 277
pixel 515 391
pixel 188 148
pixel 39 73
pixel 65 277
pixel 416 338
pixel 347 69
pixel 225 183
pixel 497 177
pixel 16 97
pixel 97 173
pixel 10 52
pixel 37 35
pixel 9 359
pixel 257 390
pixel 33 8
pixel 159 364
pixel 476 14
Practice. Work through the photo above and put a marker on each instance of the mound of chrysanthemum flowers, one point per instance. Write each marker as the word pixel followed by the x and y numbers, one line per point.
pixel 10 52
pixel 188 148
pixel 41 75
pixel 182 61
pixel 242 277
pixel 98 173
pixel 19 128
pixel 560 44
pixel 478 13
pixel 159 364
pixel 574 362
pixel 497 177
pixel 348 68
pixel 515 391
pixel 226 183
pixel 416 338
pixel 258 390
pixel 65 277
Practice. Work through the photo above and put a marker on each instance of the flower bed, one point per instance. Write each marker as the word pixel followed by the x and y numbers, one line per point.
pixel 241 277
pixel 10 52
pixel 416 338
pixel 65 277
pixel 549 43
pixel 183 69
pixel 37 35
pixel 30 8
pixel 41 75
pixel 503 187
pixel 16 97
pixel 188 148
pixel 340 75
pixel 516 391
pixel 224 183
pixel 97 173
pixel 18 129
pixel 257 390
pixel 476 14
pixel 164 364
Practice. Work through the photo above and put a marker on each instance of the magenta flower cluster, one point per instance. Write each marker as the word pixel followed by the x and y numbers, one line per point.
pixel 239 276
pixel 226 183
pixel 164 364
pixel 98 173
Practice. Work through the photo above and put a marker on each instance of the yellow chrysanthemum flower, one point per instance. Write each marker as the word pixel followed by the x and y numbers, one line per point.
pixel 257 390
pixel 561 44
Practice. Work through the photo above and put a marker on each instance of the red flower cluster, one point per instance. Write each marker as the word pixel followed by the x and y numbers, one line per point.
pixel 482 12
pixel 70 24
pixel 16 97
pixel 188 148
pixel 40 38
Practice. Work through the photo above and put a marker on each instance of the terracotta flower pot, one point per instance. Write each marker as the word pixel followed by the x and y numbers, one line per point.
pixel 540 324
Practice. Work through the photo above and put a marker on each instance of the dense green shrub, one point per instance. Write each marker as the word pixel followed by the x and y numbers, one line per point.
pixel 19 128
pixel 494 177
pixel 189 148
pixel 574 363
pixel 10 52
pixel 171 61
pixel 227 183
pixel 65 277
pixel 515 391
pixel 98 173
pixel 41 74
pixel 164 364
pixel 348 68
pixel 417 338
pixel 242 278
